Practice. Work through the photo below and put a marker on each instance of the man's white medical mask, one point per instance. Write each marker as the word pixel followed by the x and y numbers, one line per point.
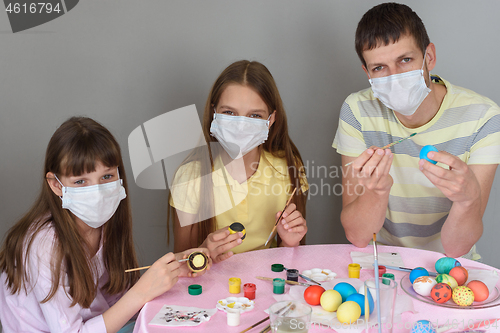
pixel 402 92
pixel 94 204
pixel 239 135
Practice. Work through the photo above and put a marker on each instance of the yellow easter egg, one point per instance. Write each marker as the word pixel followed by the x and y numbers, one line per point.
pixel 463 296
pixel 330 300
pixel 348 312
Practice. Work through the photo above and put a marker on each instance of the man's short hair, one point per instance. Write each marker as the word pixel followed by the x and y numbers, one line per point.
pixel 386 23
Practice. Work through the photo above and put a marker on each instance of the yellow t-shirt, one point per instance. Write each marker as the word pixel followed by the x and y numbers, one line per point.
pixel 254 203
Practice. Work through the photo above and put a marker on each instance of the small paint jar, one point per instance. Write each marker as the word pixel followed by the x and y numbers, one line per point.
pixel 234 285
pixel 277 267
pixel 249 290
pixel 195 289
pixel 233 317
pixel 381 270
pixel 354 270
pixel 386 277
pixel 278 286
pixel 292 275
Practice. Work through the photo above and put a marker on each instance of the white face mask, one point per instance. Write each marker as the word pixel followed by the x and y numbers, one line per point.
pixel 403 92
pixel 93 204
pixel 239 135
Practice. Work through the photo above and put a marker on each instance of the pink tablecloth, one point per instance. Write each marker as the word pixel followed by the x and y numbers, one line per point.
pixel 258 263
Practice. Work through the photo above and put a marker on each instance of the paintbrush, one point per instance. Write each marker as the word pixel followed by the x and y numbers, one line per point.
pixel 268 327
pixel 404 269
pixel 286 281
pixel 146 267
pixel 263 320
pixel 305 277
pixel 377 282
pixel 271 235
pixel 390 144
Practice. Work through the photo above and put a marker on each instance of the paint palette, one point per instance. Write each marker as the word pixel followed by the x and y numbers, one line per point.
pixel 318 274
pixel 236 303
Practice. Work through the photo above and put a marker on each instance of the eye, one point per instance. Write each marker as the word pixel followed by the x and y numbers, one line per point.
pixel 405 60
pixel 231 113
pixel 79 182
pixel 376 69
pixel 106 177
pixel 255 115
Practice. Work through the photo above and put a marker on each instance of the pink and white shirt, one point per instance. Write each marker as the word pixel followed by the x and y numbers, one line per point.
pixel 23 312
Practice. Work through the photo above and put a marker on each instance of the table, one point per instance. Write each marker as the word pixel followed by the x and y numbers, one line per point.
pixel 258 263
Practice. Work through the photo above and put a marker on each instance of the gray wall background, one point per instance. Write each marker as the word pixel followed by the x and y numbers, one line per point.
pixel 124 62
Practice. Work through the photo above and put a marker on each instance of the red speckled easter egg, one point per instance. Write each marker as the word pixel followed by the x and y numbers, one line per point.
pixel 441 293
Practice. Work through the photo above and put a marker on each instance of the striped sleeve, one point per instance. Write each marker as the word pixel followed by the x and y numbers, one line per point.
pixel 349 139
pixel 486 143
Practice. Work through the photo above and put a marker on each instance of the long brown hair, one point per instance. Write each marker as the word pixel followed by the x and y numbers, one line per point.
pixel 75 148
pixel 256 76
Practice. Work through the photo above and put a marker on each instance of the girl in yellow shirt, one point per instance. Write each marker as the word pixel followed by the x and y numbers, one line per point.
pixel 245 174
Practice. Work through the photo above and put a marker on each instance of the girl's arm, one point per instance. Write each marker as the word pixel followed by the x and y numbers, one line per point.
pixel 158 279
pixel 218 242
pixel 57 314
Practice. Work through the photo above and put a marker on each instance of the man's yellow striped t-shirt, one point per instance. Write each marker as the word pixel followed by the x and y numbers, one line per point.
pixel 466 125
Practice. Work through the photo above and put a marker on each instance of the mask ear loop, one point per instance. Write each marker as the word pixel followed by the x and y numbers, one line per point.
pixel 269 119
pixel 422 69
pixel 118 173
pixel 63 187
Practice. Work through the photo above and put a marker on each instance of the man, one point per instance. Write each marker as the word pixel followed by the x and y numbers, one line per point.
pixel 406 200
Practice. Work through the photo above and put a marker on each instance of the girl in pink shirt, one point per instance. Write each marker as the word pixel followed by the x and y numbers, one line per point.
pixel 62 265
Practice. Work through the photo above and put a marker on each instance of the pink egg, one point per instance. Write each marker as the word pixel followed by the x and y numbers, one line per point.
pixel 479 289
pixel 460 274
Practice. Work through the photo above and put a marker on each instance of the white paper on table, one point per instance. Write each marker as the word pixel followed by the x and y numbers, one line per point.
pixel 365 260
pixel 322 317
pixel 175 315
pixel 488 276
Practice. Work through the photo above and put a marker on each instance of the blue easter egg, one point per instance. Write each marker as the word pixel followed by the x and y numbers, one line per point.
pixel 445 264
pixel 418 272
pixel 425 150
pixel 345 290
pixel 360 299
pixel 423 326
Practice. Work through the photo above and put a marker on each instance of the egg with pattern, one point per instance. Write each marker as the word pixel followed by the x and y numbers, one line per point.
pixel 463 296
pixel 423 285
pixel 441 293
pixel 445 264
pixel 449 280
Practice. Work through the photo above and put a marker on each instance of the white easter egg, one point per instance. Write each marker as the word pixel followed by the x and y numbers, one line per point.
pixel 423 285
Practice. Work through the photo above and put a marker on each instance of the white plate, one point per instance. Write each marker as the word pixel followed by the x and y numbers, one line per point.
pixel 237 303
pixel 491 301
pixel 318 274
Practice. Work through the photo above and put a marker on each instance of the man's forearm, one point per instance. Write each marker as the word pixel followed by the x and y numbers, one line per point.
pixel 462 229
pixel 363 217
